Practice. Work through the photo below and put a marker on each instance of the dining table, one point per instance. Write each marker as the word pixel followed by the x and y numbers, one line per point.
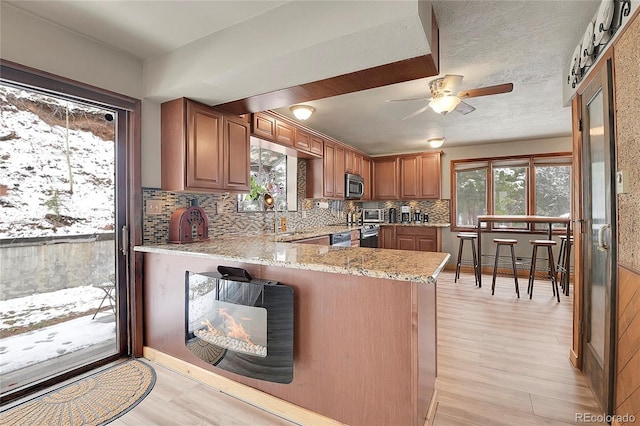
pixel 485 222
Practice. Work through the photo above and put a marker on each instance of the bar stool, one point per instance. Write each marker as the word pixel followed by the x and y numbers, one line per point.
pixel 511 243
pixel 565 252
pixel 552 270
pixel 467 236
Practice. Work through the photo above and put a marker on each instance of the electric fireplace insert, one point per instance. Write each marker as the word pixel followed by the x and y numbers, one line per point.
pixel 240 324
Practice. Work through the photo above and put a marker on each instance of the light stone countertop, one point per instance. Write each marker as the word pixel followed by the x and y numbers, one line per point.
pixel 420 225
pixel 402 265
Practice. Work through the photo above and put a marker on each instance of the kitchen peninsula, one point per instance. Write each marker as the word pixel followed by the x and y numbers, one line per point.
pixel 364 320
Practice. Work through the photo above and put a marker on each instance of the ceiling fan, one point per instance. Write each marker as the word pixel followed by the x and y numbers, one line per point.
pixel 445 97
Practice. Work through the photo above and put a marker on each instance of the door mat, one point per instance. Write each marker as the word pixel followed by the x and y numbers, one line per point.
pixel 94 400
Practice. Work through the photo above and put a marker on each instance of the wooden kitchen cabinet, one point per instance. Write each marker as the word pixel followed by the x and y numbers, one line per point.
pixel 285 133
pixel 409 180
pixel 353 162
pixel 407 177
pixel 430 175
pixel 307 143
pixel 339 171
pixel 325 176
pixel 415 238
pixel 387 237
pixel 366 175
pixel 386 175
pixel 420 176
pixel 269 127
pixel 355 238
pixel 203 150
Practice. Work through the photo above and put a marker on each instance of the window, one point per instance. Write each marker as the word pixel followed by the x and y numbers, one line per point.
pixel 273 175
pixel 525 185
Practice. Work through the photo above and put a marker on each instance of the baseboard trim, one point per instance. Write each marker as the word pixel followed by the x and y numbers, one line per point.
pixel 433 407
pixel 244 393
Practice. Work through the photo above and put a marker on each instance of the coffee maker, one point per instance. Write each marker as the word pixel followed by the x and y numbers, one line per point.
pixel 393 215
pixel 417 216
pixel 405 214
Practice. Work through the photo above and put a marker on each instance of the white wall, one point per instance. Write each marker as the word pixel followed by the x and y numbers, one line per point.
pixel 151 163
pixel 538 146
pixel 31 41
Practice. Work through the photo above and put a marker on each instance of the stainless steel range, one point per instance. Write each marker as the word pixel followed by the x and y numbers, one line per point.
pixel 369 235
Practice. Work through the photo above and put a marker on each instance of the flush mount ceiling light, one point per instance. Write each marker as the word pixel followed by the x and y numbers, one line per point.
pixel 302 112
pixel 436 142
pixel 444 104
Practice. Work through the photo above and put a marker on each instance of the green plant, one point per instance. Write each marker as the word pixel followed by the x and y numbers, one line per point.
pixel 54 203
pixel 256 191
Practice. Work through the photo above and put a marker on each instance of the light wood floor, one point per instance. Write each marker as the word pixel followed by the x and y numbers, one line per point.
pixel 504 360
pixel 501 361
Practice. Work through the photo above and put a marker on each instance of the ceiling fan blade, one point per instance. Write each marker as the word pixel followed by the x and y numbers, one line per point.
pixel 484 91
pixel 410 99
pixel 464 108
pixel 450 84
pixel 420 111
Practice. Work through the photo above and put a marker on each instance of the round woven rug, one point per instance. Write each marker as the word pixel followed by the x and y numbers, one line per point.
pixel 94 400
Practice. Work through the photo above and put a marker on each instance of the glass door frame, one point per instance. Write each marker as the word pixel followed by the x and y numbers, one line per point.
pixel 128 207
pixel 604 386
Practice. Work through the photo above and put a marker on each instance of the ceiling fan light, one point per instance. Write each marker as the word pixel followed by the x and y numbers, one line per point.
pixel 436 142
pixel 444 104
pixel 302 112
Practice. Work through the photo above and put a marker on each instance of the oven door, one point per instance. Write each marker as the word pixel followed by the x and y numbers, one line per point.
pixel 369 241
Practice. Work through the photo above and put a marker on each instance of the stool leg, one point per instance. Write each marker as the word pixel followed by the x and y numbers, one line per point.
pixel 552 269
pixel 532 271
pixel 476 270
pixel 455 279
pixel 515 272
pixel 565 279
pixel 561 259
pixel 495 270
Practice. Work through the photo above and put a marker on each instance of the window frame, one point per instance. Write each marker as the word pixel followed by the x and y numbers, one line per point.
pixel 543 160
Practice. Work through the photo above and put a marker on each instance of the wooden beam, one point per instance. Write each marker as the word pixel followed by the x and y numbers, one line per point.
pixel 383 75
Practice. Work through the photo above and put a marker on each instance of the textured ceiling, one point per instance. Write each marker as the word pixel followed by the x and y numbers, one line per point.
pixel 527 43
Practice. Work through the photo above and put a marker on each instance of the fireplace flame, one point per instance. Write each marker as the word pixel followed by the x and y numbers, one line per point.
pixel 236 330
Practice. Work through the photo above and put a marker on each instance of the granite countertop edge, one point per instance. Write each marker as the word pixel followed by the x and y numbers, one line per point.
pixel 398 265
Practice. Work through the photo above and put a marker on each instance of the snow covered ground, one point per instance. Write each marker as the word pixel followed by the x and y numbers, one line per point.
pixel 36 200
pixel 34 169
pixel 50 342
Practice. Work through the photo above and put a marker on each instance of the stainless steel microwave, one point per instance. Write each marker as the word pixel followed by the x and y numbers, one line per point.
pixel 353 186
pixel 373 215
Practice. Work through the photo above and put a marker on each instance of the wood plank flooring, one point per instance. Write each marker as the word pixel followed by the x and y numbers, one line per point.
pixel 504 360
pixel 501 361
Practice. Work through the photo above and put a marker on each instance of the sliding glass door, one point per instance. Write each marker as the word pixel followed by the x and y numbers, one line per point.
pixel 63 234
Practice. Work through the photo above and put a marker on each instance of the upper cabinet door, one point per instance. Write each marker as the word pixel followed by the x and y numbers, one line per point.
pixel 385 178
pixel 329 169
pixel 431 172
pixel 264 126
pixel 339 172
pixel 409 177
pixel 204 148
pixel 366 175
pixel 237 161
pixel 285 133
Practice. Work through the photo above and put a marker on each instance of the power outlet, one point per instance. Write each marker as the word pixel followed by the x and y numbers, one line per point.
pixel 154 207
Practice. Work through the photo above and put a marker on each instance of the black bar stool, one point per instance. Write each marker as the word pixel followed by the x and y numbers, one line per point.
pixel 552 270
pixel 467 236
pixel 511 243
pixel 563 254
